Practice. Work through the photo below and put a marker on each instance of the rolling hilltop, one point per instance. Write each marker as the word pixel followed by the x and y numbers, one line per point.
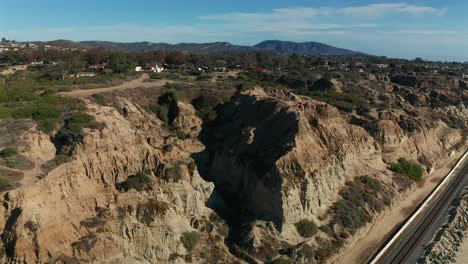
pixel 306 48
pixel 274 46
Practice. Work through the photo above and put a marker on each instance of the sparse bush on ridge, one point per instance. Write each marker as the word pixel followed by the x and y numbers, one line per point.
pixel 100 100
pixel 173 174
pixel 8 152
pixel 180 134
pixel 4 182
pixel 139 182
pixel 78 121
pixel 190 240
pixel 155 207
pixel 327 229
pixel 306 228
pixel 161 111
pixel 351 211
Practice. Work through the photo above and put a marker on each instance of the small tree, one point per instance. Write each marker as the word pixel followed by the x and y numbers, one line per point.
pixel 306 228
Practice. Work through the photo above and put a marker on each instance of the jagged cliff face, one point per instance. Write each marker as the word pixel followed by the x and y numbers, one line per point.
pixel 279 157
pixel 286 157
pixel 270 159
pixel 75 214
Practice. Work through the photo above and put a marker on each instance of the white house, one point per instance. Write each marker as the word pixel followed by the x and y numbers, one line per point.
pixel 138 69
pixel 84 74
pixel 155 68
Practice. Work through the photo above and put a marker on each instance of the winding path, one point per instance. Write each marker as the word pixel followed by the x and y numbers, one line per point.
pixel 137 83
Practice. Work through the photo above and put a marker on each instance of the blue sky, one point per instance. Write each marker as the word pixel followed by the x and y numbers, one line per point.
pixel 429 29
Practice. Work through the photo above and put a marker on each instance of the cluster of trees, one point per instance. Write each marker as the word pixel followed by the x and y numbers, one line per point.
pixel 123 61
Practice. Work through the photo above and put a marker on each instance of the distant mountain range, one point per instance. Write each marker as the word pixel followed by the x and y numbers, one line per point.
pixel 305 48
pixel 274 46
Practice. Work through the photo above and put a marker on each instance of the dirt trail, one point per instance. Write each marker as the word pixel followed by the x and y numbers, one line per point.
pixel 366 243
pixel 12 69
pixel 137 83
pixel 30 175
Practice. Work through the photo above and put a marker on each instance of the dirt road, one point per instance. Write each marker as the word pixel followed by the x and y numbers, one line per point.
pixel 137 83
pixel 12 69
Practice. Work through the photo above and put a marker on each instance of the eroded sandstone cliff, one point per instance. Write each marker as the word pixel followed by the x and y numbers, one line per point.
pixel 76 215
pixel 241 182
pixel 281 158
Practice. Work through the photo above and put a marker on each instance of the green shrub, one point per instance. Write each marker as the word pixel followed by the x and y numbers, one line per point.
pixel 162 112
pixel 4 182
pixel 8 152
pixel 206 101
pixel 48 125
pixel 173 174
pixel 341 100
pixel 413 170
pixel 139 182
pixel 371 182
pixel 350 212
pixel 60 159
pixel 180 134
pixel 205 105
pixel 245 86
pixel 5 112
pixel 306 228
pixel 37 112
pixel 100 100
pixel 78 121
pixel 170 97
pixel 190 240
pixel 155 207
pixel 350 215
pixel 14 162
pixel 327 229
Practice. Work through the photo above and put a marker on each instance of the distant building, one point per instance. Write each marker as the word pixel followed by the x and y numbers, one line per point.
pixel 96 66
pixel 258 69
pixel 138 68
pixel 37 63
pixel 84 74
pixel 155 68
pixel 219 69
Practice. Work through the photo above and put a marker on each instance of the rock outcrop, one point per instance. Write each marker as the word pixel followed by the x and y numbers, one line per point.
pixel 444 246
pixel 235 186
pixel 278 157
pixel 76 214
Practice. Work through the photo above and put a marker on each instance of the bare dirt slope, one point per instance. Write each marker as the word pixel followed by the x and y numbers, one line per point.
pixel 12 69
pixel 137 83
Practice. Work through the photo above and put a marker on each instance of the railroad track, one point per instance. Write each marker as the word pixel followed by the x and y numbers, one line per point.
pixel 440 205
pixel 398 249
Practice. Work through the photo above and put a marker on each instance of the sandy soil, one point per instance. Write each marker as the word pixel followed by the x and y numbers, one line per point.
pixel 462 254
pixel 137 83
pixel 27 175
pixel 12 69
pixel 366 243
